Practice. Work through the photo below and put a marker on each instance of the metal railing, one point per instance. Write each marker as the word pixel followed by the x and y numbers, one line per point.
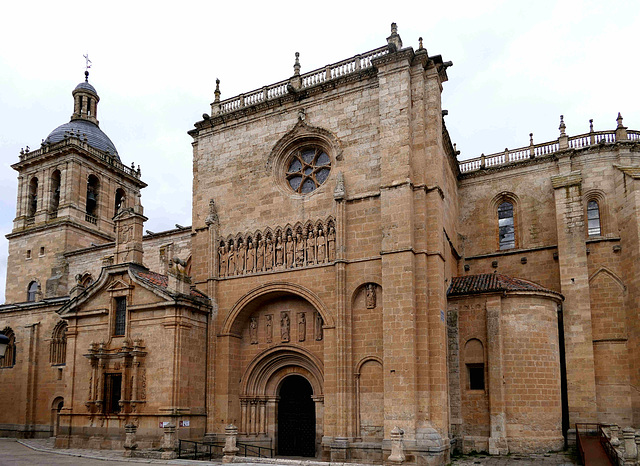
pixel 192 450
pixel 596 430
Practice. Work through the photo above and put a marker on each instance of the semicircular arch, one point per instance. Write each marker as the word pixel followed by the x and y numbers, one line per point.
pixel 276 288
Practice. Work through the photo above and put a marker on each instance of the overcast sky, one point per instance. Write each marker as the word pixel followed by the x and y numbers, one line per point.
pixel 517 66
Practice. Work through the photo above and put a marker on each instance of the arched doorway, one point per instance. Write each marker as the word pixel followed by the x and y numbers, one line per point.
pixel 56 407
pixel 296 418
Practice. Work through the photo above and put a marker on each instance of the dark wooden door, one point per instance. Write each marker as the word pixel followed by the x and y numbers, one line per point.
pixel 296 418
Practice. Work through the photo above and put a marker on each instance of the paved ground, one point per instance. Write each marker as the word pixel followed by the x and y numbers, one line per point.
pixel 41 452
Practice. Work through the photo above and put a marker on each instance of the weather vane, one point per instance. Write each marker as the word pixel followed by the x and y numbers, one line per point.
pixel 87 62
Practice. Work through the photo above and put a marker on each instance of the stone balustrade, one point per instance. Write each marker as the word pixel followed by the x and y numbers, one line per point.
pixel 533 151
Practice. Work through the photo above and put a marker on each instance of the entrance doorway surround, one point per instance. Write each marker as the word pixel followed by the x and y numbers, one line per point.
pixel 261 391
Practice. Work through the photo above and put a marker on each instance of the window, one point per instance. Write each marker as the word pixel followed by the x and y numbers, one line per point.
pixel 92 196
pixel 506 228
pixel 112 393
pixel 121 316
pixel 9 359
pixel 58 348
pixel 42 250
pixel 307 169
pixel 593 218
pixel 28 253
pixel 476 376
pixel 119 201
pixel 33 197
pixel 55 191
pixel 32 291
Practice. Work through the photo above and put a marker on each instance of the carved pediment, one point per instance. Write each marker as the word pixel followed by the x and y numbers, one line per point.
pixel 119 285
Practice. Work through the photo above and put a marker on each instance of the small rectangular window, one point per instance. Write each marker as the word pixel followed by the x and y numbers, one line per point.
pixel 112 393
pixel 476 376
pixel 28 253
pixel 42 250
pixel 121 316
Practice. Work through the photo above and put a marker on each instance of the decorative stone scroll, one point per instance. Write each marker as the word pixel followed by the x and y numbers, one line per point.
pixel 291 247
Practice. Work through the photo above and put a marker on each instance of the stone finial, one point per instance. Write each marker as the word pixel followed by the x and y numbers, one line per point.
pixel 296 65
pixel 394 41
pixel 563 140
pixel 397 447
pixel 213 213
pixel 420 46
pixel 230 449
pixel 217 91
pixel 562 126
pixel 591 125
pixel 621 131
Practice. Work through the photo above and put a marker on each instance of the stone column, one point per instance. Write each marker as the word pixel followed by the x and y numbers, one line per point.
pixel 230 449
pixel 574 283
pixel 630 448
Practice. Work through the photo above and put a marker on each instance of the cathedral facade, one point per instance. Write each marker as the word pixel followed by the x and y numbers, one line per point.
pixel 345 279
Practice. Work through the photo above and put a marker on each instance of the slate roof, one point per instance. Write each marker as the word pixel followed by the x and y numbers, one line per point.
pixel 160 281
pixel 95 136
pixel 491 283
pixel 87 86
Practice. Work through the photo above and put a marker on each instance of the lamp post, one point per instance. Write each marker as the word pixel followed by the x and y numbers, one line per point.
pixel 4 342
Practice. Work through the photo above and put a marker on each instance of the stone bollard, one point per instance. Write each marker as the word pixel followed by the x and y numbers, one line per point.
pixel 169 441
pixel 230 448
pixel 130 443
pixel 397 447
pixel 630 450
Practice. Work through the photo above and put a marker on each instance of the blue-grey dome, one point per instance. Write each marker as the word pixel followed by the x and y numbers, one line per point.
pixel 95 137
pixel 85 85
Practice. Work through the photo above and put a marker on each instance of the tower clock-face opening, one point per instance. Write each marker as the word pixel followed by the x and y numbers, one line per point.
pixel 296 418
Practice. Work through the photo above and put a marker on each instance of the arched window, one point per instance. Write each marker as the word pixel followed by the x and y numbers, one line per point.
pixel 474 361
pixel 92 199
pixel 58 348
pixel 9 359
pixel 506 226
pixel 32 291
pixel 55 191
pixel 593 218
pixel 119 201
pixel 33 197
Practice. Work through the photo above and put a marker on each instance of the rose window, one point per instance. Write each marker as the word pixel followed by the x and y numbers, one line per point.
pixel 308 168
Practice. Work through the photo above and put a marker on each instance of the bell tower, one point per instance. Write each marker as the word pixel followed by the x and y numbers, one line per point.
pixel 69 191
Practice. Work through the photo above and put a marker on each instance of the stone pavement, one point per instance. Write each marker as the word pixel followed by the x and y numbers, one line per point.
pixel 41 451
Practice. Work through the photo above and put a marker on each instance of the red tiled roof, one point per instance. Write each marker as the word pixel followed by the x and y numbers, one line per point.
pixel 490 283
pixel 161 281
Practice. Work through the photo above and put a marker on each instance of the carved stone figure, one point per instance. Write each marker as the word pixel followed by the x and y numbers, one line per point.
pixel 302 326
pixel 322 247
pixel 269 328
pixel 269 257
pixel 222 260
pixel 279 252
pixel 232 260
pixel 331 240
pixel 371 295
pixel 253 330
pixel 299 250
pixel 318 326
pixel 311 248
pixel 285 326
pixel 241 257
pixel 212 217
pixel 251 257
pixel 260 256
pixel 289 251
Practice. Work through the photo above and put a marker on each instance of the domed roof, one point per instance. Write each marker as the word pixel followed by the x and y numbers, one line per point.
pixel 95 137
pixel 85 85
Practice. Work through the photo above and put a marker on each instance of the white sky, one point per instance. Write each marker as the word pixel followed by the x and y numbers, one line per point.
pixel 517 66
